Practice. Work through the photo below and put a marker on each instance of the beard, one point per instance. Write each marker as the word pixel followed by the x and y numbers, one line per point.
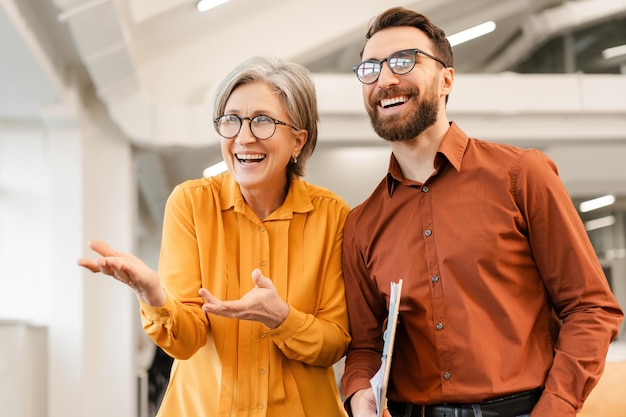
pixel 399 128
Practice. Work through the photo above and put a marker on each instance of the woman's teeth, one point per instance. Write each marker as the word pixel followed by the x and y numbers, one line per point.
pixel 250 157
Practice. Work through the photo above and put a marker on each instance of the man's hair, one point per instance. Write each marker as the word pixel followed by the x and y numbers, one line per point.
pixel 399 16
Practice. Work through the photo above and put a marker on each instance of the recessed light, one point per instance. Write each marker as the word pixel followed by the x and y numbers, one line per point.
pixel 204 5
pixel 472 33
pixel 596 203
pixel 614 51
pixel 599 223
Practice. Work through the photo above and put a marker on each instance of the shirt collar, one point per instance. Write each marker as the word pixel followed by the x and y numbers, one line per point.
pixel 298 199
pixel 452 148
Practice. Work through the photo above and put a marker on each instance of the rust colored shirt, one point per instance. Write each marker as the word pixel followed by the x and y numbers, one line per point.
pixel 502 290
pixel 231 367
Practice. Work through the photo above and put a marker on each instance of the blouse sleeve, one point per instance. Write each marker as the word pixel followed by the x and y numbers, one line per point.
pixel 180 326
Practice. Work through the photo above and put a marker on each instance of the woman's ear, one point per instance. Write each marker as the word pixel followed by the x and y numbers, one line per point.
pixel 301 137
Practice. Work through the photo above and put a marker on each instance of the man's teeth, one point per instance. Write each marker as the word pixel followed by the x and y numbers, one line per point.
pixel 388 102
pixel 255 157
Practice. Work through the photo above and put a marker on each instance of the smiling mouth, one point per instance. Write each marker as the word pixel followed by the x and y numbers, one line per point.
pixel 393 101
pixel 250 158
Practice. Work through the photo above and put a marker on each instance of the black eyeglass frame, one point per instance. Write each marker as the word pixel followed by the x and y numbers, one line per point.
pixel 250 120
pixel 380 63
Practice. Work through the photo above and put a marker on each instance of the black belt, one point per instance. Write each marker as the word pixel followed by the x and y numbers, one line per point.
pixel 509 406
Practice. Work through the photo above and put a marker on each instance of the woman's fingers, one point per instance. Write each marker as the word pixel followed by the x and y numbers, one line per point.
pixel 102 248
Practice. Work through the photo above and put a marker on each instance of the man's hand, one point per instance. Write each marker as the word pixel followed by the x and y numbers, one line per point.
pixel 363 404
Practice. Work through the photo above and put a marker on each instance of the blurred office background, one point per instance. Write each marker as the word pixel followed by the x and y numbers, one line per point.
pixel 105 105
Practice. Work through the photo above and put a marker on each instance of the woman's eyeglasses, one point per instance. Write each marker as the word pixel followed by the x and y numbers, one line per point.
pixel 261 126
pixel 401 62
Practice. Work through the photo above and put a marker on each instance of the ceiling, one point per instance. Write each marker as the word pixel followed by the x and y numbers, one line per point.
pixel 154 64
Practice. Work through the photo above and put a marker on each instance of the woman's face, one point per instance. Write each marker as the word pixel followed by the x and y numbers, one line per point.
pixel 260 164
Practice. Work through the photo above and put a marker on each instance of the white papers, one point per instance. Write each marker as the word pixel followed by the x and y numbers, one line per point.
pixel 381 379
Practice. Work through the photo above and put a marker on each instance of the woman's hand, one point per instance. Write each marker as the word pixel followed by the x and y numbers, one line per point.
pixel 128 269
pixel 262 303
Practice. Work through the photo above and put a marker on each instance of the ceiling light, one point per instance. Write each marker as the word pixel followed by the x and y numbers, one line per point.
pixel 472 33
pixel 215 169
pixel 599 223
pixel 204 5
pixel 614 52
pixel 596 203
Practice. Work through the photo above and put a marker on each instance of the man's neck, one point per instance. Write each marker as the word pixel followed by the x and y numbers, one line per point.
pixel 416 157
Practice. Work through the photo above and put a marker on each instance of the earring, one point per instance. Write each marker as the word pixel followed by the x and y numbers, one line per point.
pixel 295 159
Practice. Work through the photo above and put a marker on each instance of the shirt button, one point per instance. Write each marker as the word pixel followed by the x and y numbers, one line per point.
pixel 425 189
pixel 439 326
pixel 263 263
pixel 447 375
pixel 262 371
pixel 262 335
pixel 435 279
pixel 262 229
pixel 428 232
pixel 260 406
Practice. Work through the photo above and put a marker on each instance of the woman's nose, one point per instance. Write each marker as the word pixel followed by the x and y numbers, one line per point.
pixel 245 134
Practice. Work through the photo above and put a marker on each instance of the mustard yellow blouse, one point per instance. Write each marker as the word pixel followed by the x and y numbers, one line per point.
pixel 230 367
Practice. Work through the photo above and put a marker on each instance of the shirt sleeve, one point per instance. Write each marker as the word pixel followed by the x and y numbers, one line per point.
pixel 367 311
pixel 179 327
pixel 575 282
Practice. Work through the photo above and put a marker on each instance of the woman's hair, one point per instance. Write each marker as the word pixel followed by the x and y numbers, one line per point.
pixel 399 16
pixel 296 89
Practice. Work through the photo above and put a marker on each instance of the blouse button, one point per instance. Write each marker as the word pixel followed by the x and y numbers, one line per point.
pixel 425 189
pixel 435 279
pixel 428 232
pixel 439 326
pixel 447 375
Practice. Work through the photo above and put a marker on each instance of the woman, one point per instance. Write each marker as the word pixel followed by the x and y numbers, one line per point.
pixel 249 296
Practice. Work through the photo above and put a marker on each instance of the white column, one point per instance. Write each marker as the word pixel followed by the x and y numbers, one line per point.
pixel 92 330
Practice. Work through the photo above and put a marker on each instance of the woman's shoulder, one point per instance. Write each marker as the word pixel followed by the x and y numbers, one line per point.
pixel 319 193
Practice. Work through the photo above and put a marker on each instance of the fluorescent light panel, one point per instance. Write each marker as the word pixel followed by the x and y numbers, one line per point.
pixel 596 203
pixel 472 33
pixel 204 5
pixel 614 52
pixel 215 169
pixel 600 223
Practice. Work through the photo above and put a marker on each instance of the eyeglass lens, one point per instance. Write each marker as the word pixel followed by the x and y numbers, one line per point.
pixel 262 127
pixel 399 63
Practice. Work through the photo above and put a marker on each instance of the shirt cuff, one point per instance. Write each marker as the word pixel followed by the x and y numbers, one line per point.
pixel 158 314
pixel 550 405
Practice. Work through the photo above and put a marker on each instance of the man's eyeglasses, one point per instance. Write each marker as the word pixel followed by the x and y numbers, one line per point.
pixel 261 126
pixel 401 62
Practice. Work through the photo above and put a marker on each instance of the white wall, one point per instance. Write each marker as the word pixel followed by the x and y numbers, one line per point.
pixel 62 182
pixel 25 223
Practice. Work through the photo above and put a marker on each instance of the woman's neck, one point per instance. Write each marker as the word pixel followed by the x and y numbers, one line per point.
pixel 264 201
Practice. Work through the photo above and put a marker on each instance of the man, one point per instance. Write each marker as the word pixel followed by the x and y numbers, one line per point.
pixel 505 310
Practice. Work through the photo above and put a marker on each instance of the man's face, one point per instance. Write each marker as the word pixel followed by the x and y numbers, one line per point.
pixel 401 107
